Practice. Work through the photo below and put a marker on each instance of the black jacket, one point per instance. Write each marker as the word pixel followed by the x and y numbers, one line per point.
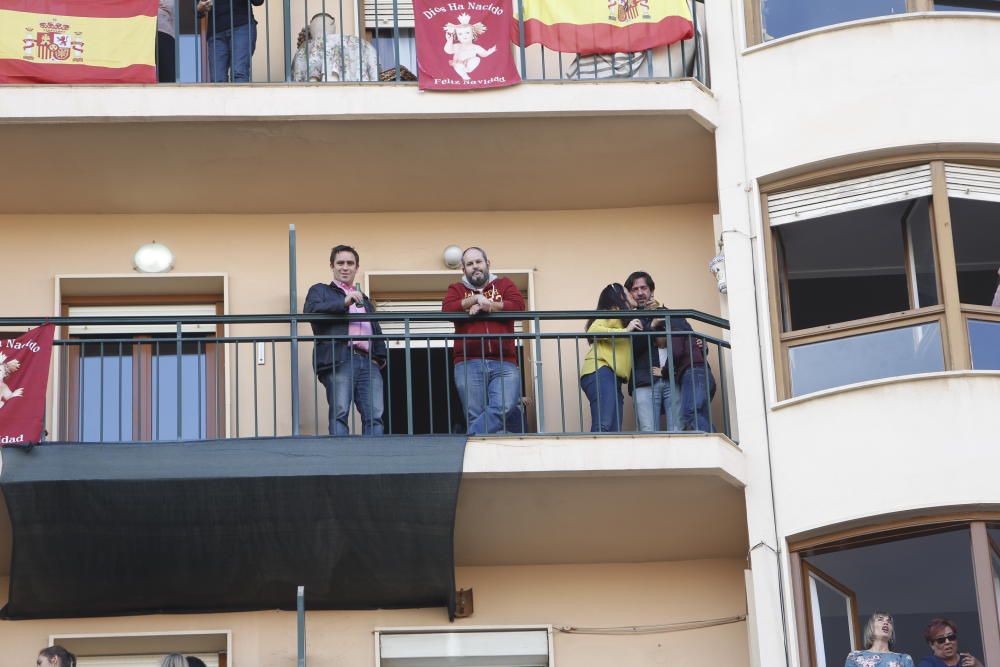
pixel 683 349
pixel 329 299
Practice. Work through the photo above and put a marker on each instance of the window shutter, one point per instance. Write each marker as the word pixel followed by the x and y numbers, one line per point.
pixel 852 195
pixel 141 311
pixel 968 182
pixel 379 13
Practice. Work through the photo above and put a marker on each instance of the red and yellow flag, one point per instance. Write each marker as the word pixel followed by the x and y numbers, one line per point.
pixel 78 41
pixel 603 26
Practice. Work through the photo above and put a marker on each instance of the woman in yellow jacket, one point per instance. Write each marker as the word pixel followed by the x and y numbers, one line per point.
pixel 609 361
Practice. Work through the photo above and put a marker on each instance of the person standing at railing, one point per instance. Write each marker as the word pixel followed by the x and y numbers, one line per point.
pixel 609 361
pixel 652 393
pixel 166 34
pixel 692 375
pixel 487 374
pixel 349 366
pixel 232 38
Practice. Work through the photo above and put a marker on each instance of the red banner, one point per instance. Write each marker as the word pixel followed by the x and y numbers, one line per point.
pixel 464 45
pixel 24 376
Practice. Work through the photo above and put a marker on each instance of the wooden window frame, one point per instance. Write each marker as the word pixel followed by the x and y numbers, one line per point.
pixel 67 415
pixel 981 548
pixel 950 312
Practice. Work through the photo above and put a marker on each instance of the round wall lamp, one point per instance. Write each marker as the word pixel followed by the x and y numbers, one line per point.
pixel 153 258
pixel 452 257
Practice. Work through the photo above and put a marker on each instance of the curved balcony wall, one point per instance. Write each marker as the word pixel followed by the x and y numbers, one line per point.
pixel 871 87
pixel 918 445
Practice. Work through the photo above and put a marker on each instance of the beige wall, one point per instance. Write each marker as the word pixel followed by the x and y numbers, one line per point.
pixel 572 254
pixel 577 595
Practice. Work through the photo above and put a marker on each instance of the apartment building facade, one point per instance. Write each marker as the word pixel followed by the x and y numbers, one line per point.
pixel 840 159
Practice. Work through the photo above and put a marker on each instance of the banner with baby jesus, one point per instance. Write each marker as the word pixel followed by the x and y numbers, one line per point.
pixel 464 44
pixel 24 376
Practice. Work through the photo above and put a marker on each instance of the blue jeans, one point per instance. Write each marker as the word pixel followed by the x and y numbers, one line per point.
pixel 231 49
pixel 490 391
pixel 606 401
pixel 356 380
pixel 697 390
pixel 653 401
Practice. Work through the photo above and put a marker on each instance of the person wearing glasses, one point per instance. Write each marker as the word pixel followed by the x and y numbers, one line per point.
pixel 942 637
pixel 879 640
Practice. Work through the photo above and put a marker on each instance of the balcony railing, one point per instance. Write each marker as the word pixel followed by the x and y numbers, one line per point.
pixel 157 378
pixel 374 42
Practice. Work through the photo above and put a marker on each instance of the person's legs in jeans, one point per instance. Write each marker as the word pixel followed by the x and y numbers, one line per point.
pixel 219 46
pixel 647 412
pixel 336 381
pixel 697 389
pixel 606 401
pixel 503 395
pixel 244 43
pixel 650 403
pixel 368 394
pixel 470 382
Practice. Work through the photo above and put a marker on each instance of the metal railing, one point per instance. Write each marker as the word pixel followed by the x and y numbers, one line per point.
pixel 372 41
pixel 155 378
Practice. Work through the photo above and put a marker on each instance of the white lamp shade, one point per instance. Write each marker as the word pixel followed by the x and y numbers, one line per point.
pixel 153 258
pixel 452 257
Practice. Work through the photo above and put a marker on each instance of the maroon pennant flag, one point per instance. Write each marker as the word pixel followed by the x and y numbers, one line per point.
pixel 24 376
pixel 463 45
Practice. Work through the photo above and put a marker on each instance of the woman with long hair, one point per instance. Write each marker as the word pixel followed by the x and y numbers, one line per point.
pixel 879 641
pixel 609 361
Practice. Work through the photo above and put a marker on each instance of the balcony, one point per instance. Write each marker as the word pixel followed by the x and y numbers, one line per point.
pixel 214 407
pixel 208 377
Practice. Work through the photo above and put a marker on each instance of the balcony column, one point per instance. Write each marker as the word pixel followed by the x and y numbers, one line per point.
pixel 767 593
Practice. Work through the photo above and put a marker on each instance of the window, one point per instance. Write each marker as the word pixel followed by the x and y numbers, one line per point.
pixel 916 574
pixel 146 649
pixel 787 17
pixel 525 647
pixel 771 19
pixel 968 6
pixel 863 281
pixel 136 382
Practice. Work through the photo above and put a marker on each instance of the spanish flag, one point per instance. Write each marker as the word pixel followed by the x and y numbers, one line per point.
pixel 78 41
pixel 603 26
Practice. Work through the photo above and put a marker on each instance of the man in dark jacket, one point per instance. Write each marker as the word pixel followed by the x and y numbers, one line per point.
pixel 685 396
pixel 651 393
pixel 487 375
pixel 349 363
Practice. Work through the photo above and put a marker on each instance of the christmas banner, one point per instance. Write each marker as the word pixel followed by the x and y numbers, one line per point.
pixel 603 26
pixel 464 45
pixel 24 376
pixel 78 41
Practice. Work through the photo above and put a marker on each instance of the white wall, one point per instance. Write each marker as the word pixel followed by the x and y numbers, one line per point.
pixel 894 82
pixel 887 447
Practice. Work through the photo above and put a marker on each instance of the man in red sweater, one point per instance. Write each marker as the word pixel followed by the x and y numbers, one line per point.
pixel 487 376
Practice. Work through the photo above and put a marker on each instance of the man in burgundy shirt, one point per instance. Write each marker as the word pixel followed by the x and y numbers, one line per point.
pixel 487 375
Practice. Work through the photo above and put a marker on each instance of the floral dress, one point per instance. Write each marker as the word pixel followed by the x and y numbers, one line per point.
pixel 877 659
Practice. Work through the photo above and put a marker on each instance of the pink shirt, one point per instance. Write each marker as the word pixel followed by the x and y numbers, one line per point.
pixel 360 330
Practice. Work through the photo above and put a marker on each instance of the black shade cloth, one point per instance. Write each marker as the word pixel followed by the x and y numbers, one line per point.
pixel 228 525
